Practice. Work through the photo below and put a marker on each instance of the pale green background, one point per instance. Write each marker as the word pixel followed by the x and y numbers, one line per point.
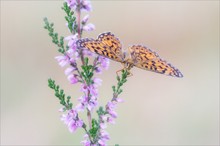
pixel 158 110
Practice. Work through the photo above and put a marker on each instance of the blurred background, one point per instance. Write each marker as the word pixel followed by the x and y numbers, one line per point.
pixel 158 109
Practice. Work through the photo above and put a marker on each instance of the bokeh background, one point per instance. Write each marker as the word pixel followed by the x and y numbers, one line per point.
pixel 158 110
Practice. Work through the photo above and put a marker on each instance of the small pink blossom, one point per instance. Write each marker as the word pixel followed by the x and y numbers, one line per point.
pixel 85 19
pixel 119 100
pixel 71 3
pixel 72 41
pixel 97 82
pixel 103 125
pixel 84 88
pixel 74 124
pixel 62 60
pixel 102 142
pixel 112 113
pixel 110 109
pixel 87 52
pixel 70 52
pixel 86 5
pixel 73 78
pixel 89 27
pixel 110 120
pixel 80 107
pixel 104 62
pixel 93 90
pixel 86 142
pixel 77 55
pixel 69 70
pixel 103 117
pixel 104 137
pixel 65 118
pixel 92 103
pixel 71 120
pixel 98 70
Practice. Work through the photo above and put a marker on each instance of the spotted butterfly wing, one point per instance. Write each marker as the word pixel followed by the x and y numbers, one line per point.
pixel 106 45
pixel 145 58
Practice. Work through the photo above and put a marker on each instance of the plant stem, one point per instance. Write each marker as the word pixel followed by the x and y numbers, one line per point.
pixel 89 116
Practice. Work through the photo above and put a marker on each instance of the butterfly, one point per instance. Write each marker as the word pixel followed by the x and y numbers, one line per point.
pixel 143 57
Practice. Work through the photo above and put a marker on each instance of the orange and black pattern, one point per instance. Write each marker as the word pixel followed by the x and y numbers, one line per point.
pixel 145 58
pixel 142 57
pixel 106 45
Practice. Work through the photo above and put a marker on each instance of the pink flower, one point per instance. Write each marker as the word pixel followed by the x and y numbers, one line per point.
pixel 62 60
pixel 72 41
pixel 93 90
pixel 98 70
pixel 119 100
pixel 92 103
pixel 103 125
pixel 71 120
pixel 86 142
pixel 86 5
pixel 85 19
pixel 97 82
pixel 112 113
pixel 110 109
pixel 77 54
pixel 75 124
pixel 69 70
pixel 80 107
pixel 84 88
pixel 73 78
pixel 87 52
pixel 65 118
pixel 110 120
pixel 104 62
pixel 89 27
pixel 70 52
pixel 71 3
pixel 104 137
pixel 102 142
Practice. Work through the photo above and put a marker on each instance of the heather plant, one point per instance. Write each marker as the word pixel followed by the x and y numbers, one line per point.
pixel 81 67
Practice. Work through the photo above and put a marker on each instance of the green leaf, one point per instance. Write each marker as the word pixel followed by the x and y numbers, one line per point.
pixel 86 60
pixel 113 88
pixel 94 130
pixel 59 93
pixel 54 35
pixel 118 78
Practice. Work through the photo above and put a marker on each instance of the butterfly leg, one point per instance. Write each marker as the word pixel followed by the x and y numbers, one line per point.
pixel 125 68
pixel 130 74
pixel 119 71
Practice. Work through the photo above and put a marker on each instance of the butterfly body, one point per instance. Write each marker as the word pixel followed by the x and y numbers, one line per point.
pixel 140 56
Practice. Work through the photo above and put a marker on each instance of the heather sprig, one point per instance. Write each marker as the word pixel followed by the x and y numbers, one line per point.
pixel 121 80
pixel 59 93
pixel 87 72
pixel 55 39
pixel 70 18
pixel 81 69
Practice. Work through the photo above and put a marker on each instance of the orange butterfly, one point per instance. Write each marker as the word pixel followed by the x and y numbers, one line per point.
pixel 140 56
